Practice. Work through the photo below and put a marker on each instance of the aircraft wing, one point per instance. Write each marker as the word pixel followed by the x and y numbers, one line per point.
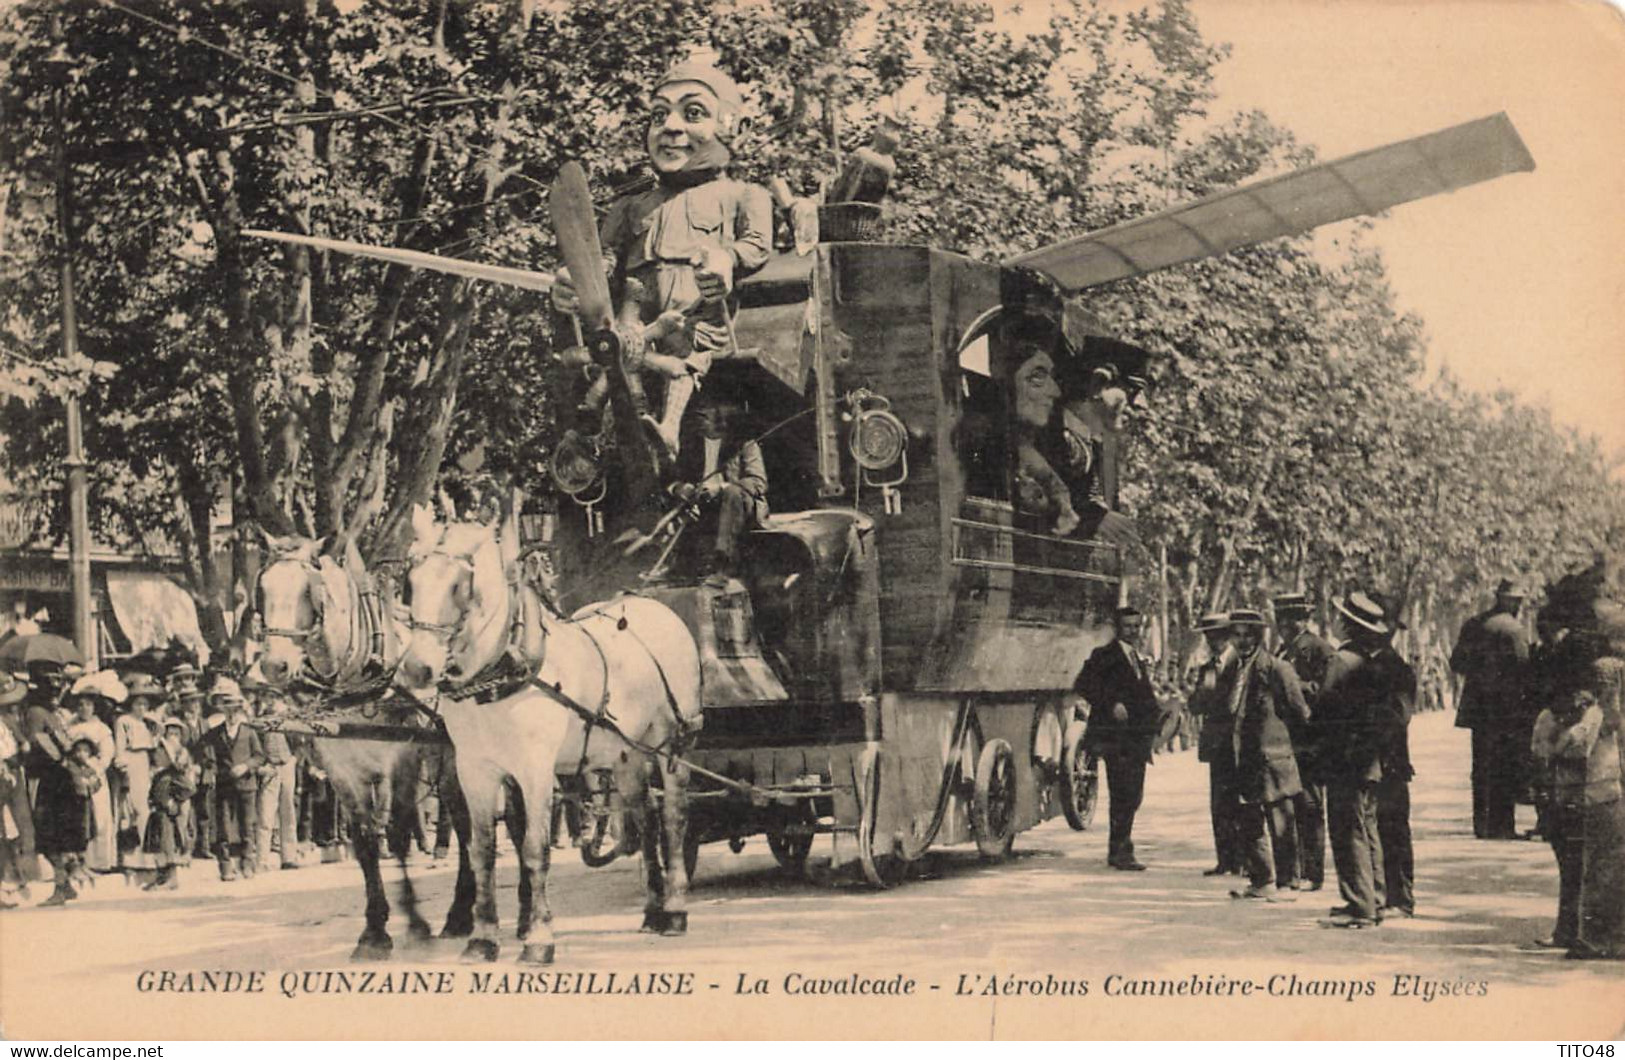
pixel 1363 183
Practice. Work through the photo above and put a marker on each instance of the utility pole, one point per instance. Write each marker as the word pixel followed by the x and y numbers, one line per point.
pixel 84 633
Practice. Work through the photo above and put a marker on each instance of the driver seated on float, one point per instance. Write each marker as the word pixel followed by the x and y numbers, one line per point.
pixel 719 465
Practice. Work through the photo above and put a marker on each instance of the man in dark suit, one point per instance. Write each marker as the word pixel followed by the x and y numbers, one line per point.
pixel 1366 683
pixel 729 470
pixel 1210 701
pixel 1492 657
pixel 1266 702
pixel 1123 716
pixel 1309 656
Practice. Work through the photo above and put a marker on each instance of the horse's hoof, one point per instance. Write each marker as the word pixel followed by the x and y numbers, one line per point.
pixel 457 929
pixel 654 922
pixel 481 951
pixel 373 949
pixel 536 953
pixel 676 924
pixel 420 931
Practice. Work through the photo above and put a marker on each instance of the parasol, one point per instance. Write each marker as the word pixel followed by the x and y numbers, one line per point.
pixel 41 647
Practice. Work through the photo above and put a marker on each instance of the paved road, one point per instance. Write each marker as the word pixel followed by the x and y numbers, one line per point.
pixel 976 939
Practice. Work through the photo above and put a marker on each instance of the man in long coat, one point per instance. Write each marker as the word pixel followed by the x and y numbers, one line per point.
pixel 1364 683
pixel 1123 716
pixel 1210 702
pixel 1309 655
pixel 1394 789
pixel 1492 656
pixel 1266 701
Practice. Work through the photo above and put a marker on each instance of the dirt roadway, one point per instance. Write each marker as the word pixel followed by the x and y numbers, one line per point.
pixel 970 936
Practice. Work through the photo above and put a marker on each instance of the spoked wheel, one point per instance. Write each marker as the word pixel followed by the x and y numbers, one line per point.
pixel 993 809
pixel 1080 783
pixel 877 855
pixel 790 851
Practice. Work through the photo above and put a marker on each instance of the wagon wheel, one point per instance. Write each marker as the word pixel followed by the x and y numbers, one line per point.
pixel 790 851
pixel 1080 783
pixel 881 867
pixel 993 809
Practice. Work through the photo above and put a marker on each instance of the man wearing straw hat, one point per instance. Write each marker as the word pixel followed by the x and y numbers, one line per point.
pixel 1492 657
pixel 1210 701
pixel 1309 655
pixel 1367 684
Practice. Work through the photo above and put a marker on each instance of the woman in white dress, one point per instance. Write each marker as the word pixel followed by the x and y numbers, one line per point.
pixel 88 697
pixel 134 740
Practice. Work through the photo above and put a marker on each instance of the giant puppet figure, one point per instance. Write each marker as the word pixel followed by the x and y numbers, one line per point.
pixel 675 251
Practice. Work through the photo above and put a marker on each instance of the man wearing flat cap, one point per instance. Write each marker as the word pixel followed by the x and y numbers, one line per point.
pixel 1265 701
pixel 1367 687
pixel 1210 701
pixel 234 753
pixel 1492 658
pixel 679 248
pixel 1309 655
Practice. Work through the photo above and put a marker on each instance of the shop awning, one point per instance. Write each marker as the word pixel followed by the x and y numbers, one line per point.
pixel 153 611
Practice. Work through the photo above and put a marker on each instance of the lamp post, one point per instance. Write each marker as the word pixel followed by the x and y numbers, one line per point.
pixel 84 634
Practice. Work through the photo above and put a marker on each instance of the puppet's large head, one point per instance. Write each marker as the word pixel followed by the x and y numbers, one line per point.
pixel 694 113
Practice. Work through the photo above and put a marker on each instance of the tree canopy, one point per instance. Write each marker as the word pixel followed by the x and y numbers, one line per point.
pixel 1291 438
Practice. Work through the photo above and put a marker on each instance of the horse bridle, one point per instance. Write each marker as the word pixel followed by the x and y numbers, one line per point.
pixel 444 631
pixel 317 602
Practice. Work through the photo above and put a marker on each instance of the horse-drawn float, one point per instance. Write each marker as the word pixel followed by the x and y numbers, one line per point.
pixel 890 664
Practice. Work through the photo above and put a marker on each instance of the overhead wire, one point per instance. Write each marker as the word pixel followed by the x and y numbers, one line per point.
pixel 188 36
pixel 381 111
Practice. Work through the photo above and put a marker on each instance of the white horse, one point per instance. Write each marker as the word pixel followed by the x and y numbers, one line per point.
pixel 326 633
pixel 630 662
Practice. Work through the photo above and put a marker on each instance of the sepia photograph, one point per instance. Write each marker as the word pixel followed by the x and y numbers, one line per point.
pixel 721 520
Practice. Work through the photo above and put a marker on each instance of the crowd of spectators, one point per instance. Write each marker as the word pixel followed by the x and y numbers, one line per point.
pixel 138 775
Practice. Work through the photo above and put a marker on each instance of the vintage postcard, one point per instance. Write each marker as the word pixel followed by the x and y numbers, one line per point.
pixel 731 519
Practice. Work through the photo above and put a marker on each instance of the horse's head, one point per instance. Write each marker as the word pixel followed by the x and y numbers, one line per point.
pixel 455 595
pixel 288 599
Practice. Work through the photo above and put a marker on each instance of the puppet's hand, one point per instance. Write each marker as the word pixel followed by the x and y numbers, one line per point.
pixel 565 299
pixel 714 274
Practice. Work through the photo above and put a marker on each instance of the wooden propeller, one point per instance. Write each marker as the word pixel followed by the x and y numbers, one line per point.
pixel 570 205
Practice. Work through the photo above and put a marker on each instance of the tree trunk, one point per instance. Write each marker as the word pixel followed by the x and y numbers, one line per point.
pixel 1227 550
pixel 1162 610
pixel 418 467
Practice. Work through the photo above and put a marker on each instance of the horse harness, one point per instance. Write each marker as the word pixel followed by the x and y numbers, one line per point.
pixel 513 671
pixel 366 625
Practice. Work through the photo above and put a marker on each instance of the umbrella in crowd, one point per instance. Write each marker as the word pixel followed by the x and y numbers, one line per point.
pixel 41 647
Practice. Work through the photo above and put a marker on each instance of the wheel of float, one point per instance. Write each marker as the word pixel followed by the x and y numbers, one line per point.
pixel 882 868
pixel 993 809
pixel 1080 783
pixel 790 851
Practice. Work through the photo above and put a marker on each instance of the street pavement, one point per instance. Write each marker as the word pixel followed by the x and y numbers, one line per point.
pixel 978 940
